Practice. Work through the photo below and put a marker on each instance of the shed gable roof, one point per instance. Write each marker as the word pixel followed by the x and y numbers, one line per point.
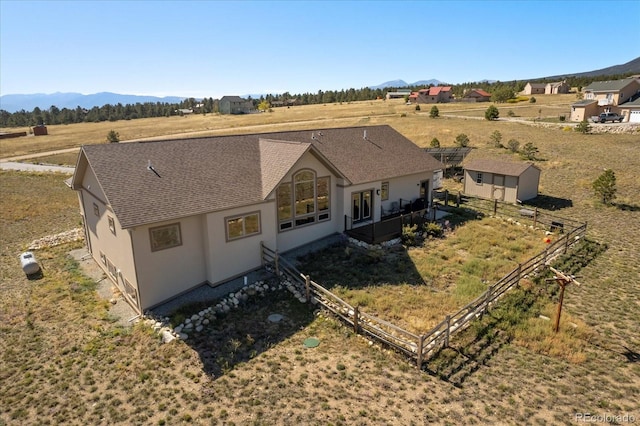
pixel 201 175
pixel 486 165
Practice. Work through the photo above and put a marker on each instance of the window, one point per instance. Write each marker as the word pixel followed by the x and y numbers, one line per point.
pixel 304 201
pixel 96 209
pixel 164 237
pixel 384 191
pixel 112 225
pixel 479 178
pixel 243 226
pixel 113 271
pixel 103 259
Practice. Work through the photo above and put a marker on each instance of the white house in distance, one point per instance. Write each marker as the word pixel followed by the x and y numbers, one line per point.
pixel 500 180
pixel 164 217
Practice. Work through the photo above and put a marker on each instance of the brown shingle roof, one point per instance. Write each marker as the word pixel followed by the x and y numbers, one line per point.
pixel 500 167
pixel 216 173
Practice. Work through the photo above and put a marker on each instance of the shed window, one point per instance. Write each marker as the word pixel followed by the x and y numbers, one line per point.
pixel 96 209
pixel 479 178
pixel 164 237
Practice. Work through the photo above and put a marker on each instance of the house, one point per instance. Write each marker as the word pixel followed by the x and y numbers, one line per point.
pixel 164 217
pixel 556 88
pixel 476 95
pixel 234 105
pixel 399 94
pixel 502 181
pixel 583 109
pixel 631 110
pixel 432 95
pixel 608 96
pixel 534 88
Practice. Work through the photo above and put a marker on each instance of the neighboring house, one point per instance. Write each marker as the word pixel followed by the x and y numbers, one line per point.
pixel 432 95
pixel 556 88
pixel 400 94
pixel 583 109
pixel 611 96
pixel 164 217
pixel 476 95
pixel 234 105
pixel 631 110
pixel 534 88
pixel 499 180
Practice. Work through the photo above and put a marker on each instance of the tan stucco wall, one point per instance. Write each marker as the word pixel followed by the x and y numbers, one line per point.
pixel 117 248
pixel 165 273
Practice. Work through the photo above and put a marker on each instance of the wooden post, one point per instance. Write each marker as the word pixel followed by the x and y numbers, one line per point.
pixel 562 284
pixel 519 273
pixel 355 318
pixel 446 336
pixel 544 260
pixel 495 206
pixel 345 222
pixel 419 350
pixel 277 263
pixel 446 197
pixel 487 299
pixel 535 217
pixel 307 280
pixel 566 244
pixel 458 199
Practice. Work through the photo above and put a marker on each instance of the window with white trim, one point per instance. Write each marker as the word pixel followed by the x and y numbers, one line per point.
pixel 479 178
pixel 112 225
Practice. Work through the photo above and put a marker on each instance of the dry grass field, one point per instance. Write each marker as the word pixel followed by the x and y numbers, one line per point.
pixel 65 360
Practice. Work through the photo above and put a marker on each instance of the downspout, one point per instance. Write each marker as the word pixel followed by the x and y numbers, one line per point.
pixel 135 269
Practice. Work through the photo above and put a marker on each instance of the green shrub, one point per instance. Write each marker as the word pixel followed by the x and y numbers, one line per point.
pixel 513 145
pixel 562 118
pixel 532 100
pixel 417 107
pixel 409 235
pixel 433 230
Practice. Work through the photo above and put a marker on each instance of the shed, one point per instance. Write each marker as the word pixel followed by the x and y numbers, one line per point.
pixel 501 180
pixel 40 130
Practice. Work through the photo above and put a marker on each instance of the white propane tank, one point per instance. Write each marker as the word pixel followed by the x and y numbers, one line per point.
pixel 29 263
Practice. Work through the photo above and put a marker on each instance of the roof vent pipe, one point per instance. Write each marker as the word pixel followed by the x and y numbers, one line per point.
pixel 365 135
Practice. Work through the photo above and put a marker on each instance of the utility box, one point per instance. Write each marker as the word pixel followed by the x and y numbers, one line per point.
pixel 29 263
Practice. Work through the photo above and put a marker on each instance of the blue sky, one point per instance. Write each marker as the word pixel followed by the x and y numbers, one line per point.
pixel 217 48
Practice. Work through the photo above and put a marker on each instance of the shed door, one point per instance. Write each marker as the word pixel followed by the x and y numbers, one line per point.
pixel 498 187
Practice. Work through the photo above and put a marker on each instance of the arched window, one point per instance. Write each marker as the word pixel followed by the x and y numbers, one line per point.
pixel 304 200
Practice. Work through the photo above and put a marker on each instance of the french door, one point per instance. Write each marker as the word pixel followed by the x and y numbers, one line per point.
pixel 361 207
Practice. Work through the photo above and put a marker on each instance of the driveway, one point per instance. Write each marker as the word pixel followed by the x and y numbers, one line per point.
pixel 28 167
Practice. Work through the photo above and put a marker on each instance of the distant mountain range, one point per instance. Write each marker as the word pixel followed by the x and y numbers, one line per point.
pixel 402 83
pixel 13 103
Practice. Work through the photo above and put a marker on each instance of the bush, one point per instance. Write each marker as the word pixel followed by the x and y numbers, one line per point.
pixel 492 113
pixel 462 140
pixel 496 138
pixel 562 118
pixel 511 113
pixel 409 235
pixel 433 230
pixel 113 136
pixel 435 143
pixel 583 127
pixel 513 145
pixel 529 151
pixel 435 112
pixel 532 100
pixel 417 107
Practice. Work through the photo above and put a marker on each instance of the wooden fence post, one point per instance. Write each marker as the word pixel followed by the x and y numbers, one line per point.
pixel 458 199
pixel 419 360
pixel 544 260
pixel 277 263
pixel 519 273
pixel 535 217
pixel 307 280
pixel 495 206
pixel 355 319
pixel 446 197
pixel 566 243
pixel 446 336
pixel 487 299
